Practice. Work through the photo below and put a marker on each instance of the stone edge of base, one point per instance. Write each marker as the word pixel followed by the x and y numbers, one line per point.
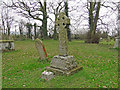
pixel 74 70
pixel 61 72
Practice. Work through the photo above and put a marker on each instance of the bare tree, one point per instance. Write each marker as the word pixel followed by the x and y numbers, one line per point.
pixel 35 33
pixel 3 20
pixel 55 8
pixel 29 28
pixel 7 20
pixel 66 12
pixel 32 9
pixel 90 13
pixel 21 27
pixel 119 19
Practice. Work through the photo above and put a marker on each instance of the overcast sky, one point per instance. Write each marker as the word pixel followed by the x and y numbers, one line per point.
pixel 74 15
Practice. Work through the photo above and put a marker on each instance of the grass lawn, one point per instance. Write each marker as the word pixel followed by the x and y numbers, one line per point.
pixel 22 68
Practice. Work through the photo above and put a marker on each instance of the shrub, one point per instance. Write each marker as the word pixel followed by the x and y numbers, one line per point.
pixel 92 38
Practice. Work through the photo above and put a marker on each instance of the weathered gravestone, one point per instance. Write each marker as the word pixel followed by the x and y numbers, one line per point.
pixel 41 49
pixel 7 45
pixel 63 63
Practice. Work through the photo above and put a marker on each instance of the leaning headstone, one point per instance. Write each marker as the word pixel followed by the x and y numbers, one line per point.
pixel 41 49
pixel 63 63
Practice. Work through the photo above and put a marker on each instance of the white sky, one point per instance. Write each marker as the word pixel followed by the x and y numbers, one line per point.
pixel 74 15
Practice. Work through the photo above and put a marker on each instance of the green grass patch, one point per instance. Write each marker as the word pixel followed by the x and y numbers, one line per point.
pixel 22 68
pixel 111 42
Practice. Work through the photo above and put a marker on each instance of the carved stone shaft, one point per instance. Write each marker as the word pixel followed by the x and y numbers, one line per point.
pixel 61 22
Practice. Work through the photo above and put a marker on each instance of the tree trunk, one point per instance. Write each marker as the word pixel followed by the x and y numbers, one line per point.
pixel 91 17
pixel 21 31
pixel 29 33
pixel 35 31
pixel 92 37
pixel 29 27
pixel 96 18
pixel 67 26
pixel 44 22
pixel 55 31
pixel 3 24
pixel 8 29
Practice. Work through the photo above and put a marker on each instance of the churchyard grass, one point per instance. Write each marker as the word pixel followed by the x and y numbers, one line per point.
pixel 111 42
pixel 22 68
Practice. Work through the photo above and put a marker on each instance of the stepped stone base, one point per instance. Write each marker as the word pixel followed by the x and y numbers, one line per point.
pixel 63 65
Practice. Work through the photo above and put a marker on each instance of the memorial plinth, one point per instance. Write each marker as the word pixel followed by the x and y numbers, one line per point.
pixel 63 65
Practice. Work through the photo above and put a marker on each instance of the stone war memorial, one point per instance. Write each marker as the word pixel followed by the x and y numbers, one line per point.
pixel 41 49
pixel 63 64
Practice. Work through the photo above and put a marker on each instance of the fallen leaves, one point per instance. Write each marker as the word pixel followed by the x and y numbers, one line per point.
pixel 4 77
pixel 104 87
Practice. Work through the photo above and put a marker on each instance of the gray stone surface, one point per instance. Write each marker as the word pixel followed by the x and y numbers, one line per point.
pixel 6 45
pixel 47 75
pixel 63 62
pixel 62 72
pixel 33 38
pixel 61 65
pixel 117 41
pixel 39 46
pixel 61 22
